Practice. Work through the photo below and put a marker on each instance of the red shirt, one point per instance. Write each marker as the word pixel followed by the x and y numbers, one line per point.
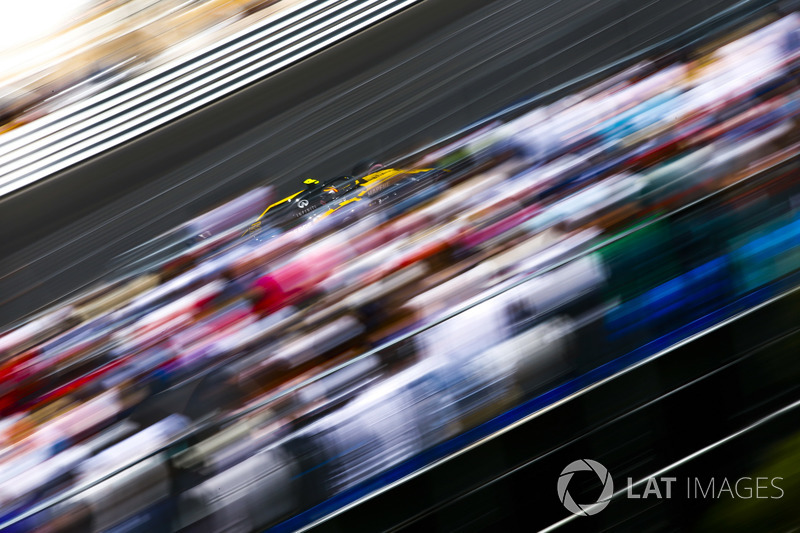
pixel 273 296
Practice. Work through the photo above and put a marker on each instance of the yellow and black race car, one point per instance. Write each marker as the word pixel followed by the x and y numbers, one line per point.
pixel 334 194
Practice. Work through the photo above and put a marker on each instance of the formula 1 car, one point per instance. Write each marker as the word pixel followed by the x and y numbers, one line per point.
pixel 333 193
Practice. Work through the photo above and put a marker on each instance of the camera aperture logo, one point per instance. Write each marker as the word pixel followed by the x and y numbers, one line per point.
pixel 583 509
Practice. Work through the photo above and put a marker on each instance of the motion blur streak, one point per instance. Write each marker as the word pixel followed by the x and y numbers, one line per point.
pixel 171 92
pixel 223 381
pixel 377 93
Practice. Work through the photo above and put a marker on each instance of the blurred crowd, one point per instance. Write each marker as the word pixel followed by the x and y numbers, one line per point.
pixel 63 51
pixel 248 378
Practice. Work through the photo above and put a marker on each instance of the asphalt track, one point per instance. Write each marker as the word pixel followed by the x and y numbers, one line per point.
pixel 436 67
